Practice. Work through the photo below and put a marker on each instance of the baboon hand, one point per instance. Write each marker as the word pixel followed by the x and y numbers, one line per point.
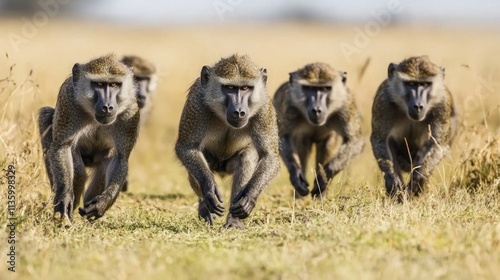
pixel 204 214
pixel 320 182
pixel 299 182
pixel 393 184
pixel 243 204
pixel 63 209
pixel 95 208
pixel 213 200
pixel 416 184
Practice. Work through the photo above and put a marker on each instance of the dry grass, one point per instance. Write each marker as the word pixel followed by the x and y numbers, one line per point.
pixel 452 232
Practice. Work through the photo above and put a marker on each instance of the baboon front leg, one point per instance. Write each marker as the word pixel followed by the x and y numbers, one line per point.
pixel 293 161
pixel 115 176
pixel 394 182
pixel 385 152
pixel 243 168
pixel 323 154
pixel 203 212
pixel 62 171
pixel 426 159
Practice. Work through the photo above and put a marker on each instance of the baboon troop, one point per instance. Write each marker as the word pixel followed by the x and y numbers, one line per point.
pixel 231 126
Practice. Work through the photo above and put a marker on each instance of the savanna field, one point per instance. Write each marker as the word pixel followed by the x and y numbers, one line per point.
pixel 355 232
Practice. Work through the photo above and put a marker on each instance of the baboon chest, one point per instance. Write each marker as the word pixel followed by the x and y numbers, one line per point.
pixel 311 133
pixel 411 133
pixel 223 144
pixel 95 147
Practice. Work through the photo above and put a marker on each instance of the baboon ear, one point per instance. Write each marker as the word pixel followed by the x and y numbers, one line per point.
pixel 263 71
pixel 344 77
pixel 442 71
pixel 76 72
pixel 205 75
pixel 391 69
pixel 290 79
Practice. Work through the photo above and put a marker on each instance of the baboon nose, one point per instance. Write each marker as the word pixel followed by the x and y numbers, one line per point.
pixel 107 108
pixel 419 108
pixel 239 114
pixel 316 111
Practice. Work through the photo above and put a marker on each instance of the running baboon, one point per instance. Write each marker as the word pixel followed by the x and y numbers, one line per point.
pixel 413 123
pixel 145 79
pixel 316 107
pixel 94 124
pixel 228 125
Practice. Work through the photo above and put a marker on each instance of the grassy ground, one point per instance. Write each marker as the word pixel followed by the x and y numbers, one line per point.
pixel 452 232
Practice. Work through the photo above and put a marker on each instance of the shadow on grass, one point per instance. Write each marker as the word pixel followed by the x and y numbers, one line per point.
pixel 163 197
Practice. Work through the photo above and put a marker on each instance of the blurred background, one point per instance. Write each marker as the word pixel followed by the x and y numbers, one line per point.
pixel 448 12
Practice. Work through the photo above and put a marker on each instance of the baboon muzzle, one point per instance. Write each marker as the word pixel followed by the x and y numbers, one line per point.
pixel 237 109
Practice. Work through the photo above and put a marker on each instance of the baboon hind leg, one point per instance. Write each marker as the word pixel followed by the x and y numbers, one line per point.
pixel 98 181
pixel 79 178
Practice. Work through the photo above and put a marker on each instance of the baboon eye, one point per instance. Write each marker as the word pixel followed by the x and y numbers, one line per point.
pixel 230 87
pixel 244 88
pixel 99 83
pixel 113 85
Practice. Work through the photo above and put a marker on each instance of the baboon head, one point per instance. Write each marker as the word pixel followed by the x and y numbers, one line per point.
pixel 416 84
pixel 145 78
pixel 103 87
pixel 318 90
pixel 234 88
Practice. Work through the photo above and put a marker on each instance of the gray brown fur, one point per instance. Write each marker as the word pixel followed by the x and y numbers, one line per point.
pixel 427 141
pixel 72 139
pixel 143 70
pixel 207 144
pixel 298 135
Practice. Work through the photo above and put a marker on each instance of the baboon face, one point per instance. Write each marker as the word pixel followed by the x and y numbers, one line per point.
pixel 103 88
pixel 235 99
pixel 237 104
pixel 105 100
pixel 414 93
pixel 142 90
pixel 317 99
pixel 317 90
pixel 417 94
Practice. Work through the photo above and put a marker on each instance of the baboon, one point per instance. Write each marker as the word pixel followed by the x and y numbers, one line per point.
pixel 228 126
pixel 315 107
pixel 145 79
pixel 413 124
pixel 94 124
